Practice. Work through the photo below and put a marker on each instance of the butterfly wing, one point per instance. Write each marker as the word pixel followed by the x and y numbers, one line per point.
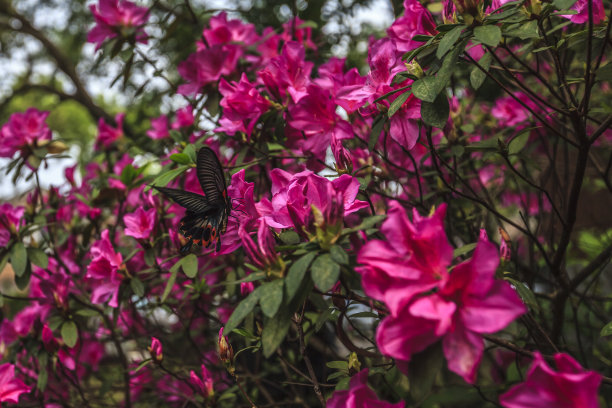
pixel 211 176
pixel 202 229
pixel 191 201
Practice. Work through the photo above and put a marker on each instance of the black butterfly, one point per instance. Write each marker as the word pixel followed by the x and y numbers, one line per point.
pixel 206 216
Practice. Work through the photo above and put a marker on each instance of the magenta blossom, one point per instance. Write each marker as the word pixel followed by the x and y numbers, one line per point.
pixel 108 134
pixel 140 223
pixel 118 17
pixel 582 7
pixel 206 66
pixel 204 384
pixel 156 349
pixel 159 128
pixel 11 387
pixel 184 118
pixel 262 253
pixel 359 395
pixel 416 20
pixel 413 260
pixel 222 31
pixel 103 271
pixel 22 130
pixel 470 303
pixel 570 387
pixel 293 196
pixel 242 106
pixel 11 219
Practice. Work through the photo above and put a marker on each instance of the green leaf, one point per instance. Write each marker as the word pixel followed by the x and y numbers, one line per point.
pixel 43 376
pixel 19 258
pixel 365 315
pixel 375 134
pixel 274 331
pixel 180 158
pixel 449 39
pixel 477 76
pixel 523 291
pixel 137 287
pixel 128 174
pixel 525 31
pixel 245 333
pixel 563 4
pixel 190 265
pixel 70 334
pixel 290 237
pixel 325 272
pixel 38 257
pixel 436 113
pixel 606 330
pixel 163 179
pixel 295 276
pixel 464 249
pixel 425 89
pixel 448 68
pixel 142 365
pixel 189 150
pixel 518 142
pixel 173 272
pixel 337 365
pixel 271 297
pixel 339 255
pixel 367 223
pixel 242 310
pixel 324 318
pixel 397 103
pixel 488 34
pixel 605 73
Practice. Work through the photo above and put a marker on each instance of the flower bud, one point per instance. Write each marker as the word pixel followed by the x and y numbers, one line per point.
pixel 226 353
pixel 156 350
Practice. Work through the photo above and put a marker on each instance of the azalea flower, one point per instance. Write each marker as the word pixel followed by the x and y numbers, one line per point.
pixel 11 219
pixel 11 387
pixel 103 271
pixel 207 65
pixel 416 21
pixel 359 395
pixel 108 134
pixel 159 128
pixel 156 349
pixel 117 17
pixel 23 131
pixel 140 223
pixel 205 383
pixel 582 7
pixel 569 387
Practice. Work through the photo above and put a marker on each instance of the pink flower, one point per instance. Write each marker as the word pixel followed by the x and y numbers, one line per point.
pixel 204 384
pixel 118 17
pixel 11 219
pixel 315 116
pixel 262 253
pixel 246 288
pixel 223 31
pixel 359 395
pixel 471 302
pixel 108 134
pixel 242 106
pixel 293 196
pixel 288 74
pixel 159 128
pixel 140 223
pixel 416 20
pixel 11 387
pixel 184 118
pixel 582 7
pixel 413 260
pixel 103 272
pixel 294 30
pixel 23 129
pixel 206 66
pixel 510 112
pixel 156 349
pixel 570 387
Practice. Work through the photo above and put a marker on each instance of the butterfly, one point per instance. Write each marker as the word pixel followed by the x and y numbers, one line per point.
pixel 206 216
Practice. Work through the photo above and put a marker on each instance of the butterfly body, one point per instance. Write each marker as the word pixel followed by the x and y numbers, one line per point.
pixel 206 216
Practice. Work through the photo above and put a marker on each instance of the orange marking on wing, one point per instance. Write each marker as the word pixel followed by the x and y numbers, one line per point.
pixel 197 241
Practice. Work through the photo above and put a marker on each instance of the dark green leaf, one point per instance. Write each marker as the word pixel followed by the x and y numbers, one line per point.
pixel 295 276
pixel 290 237
pixel 189 150
pixel 523 291
pixel 464 249
pixel 375 134
pixel 190 265
pixel 242 310
pixel 605 73
pixel 339 255
pixel 449 39
pixel 43 376
pixel 525 31
pixel 367 315
pixel 338 365
pixel 19 258
pixel 397 103
pixel 518 142
pixel 137 287
pixel 128 174
pixel 423 369
pixel 367 223
pixel 173 272
pixel 325 272
pixel 477 76
pixel 245 333
pixel 425 89
pixel 163 179
pixel 488 34
pixel 436 113
pixel 271 297
pixel 274 331
pixel 70 334
pixel 324 318
pixel 38 257
pixel 563 4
